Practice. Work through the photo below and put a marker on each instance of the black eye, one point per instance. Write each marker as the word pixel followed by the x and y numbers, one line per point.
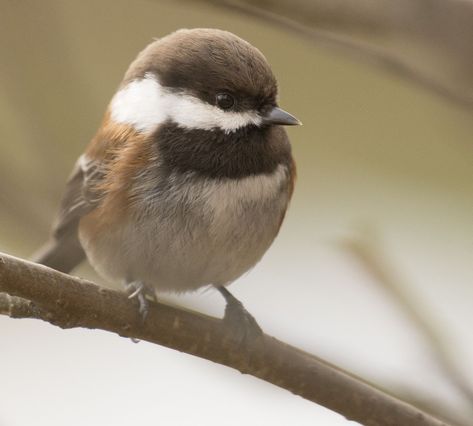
pixel 225 101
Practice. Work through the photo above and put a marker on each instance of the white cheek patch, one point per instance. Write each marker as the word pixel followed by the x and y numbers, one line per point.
pixel 145 104
pixel 141 103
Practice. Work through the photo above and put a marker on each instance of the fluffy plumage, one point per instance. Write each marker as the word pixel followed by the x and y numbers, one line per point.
pixel 173 191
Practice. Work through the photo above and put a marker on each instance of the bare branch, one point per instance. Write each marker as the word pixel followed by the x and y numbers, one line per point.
pixel 303 18
pixel 73 302
pixel 369 255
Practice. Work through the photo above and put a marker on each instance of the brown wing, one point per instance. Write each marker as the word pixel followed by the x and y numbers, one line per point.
pixel 63 251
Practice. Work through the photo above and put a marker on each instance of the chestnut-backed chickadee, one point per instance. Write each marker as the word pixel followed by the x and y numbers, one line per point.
pixel 188 179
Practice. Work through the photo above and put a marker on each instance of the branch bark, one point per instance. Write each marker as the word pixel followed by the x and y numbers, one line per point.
pixel 35 291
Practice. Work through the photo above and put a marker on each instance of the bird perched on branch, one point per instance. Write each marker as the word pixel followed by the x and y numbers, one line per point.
pixel 188 179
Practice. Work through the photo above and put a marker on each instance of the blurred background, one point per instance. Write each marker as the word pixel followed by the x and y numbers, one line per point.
pixel 372 270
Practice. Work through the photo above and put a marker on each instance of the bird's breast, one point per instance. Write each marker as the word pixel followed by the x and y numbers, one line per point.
pixel 186 231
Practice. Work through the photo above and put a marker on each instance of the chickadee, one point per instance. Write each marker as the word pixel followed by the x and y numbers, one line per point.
pixel 188 179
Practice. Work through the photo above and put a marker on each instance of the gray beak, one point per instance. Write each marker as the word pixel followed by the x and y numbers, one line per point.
pixel 279 116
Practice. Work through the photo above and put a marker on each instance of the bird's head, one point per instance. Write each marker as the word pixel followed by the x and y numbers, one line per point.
pixel 203 79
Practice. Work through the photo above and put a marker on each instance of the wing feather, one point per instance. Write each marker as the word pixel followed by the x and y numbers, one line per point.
pixel 64 251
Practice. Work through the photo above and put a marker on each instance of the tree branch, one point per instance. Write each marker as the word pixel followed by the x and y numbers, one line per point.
pixel 68 302
pixel 368 251
pixel 16 307
pixel 301 18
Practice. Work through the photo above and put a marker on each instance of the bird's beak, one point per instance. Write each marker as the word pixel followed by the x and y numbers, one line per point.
pixel 279 116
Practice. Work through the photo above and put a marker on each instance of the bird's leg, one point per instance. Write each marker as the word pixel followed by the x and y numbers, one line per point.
pixel 138 290
pixel 239 319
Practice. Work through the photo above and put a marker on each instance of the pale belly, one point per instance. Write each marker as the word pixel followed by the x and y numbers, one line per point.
pixel 193 236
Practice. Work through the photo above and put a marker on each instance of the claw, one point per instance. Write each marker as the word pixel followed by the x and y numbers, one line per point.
pixel 138 290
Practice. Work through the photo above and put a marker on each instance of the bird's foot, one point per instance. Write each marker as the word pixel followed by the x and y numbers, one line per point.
pixel 239 321
pixel 138 290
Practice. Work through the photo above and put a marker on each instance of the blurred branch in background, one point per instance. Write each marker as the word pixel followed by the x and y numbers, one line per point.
pixel 34 291
pixel 367 250
pixel 429 42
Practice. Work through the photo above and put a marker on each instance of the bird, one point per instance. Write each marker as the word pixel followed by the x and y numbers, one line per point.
pixel 188 179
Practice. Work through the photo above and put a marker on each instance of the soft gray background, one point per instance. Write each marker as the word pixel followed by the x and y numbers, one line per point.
pixel 374 152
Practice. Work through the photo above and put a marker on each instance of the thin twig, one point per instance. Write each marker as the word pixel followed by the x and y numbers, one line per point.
pixel 74 302
pixel 369 255
pixel 356 49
